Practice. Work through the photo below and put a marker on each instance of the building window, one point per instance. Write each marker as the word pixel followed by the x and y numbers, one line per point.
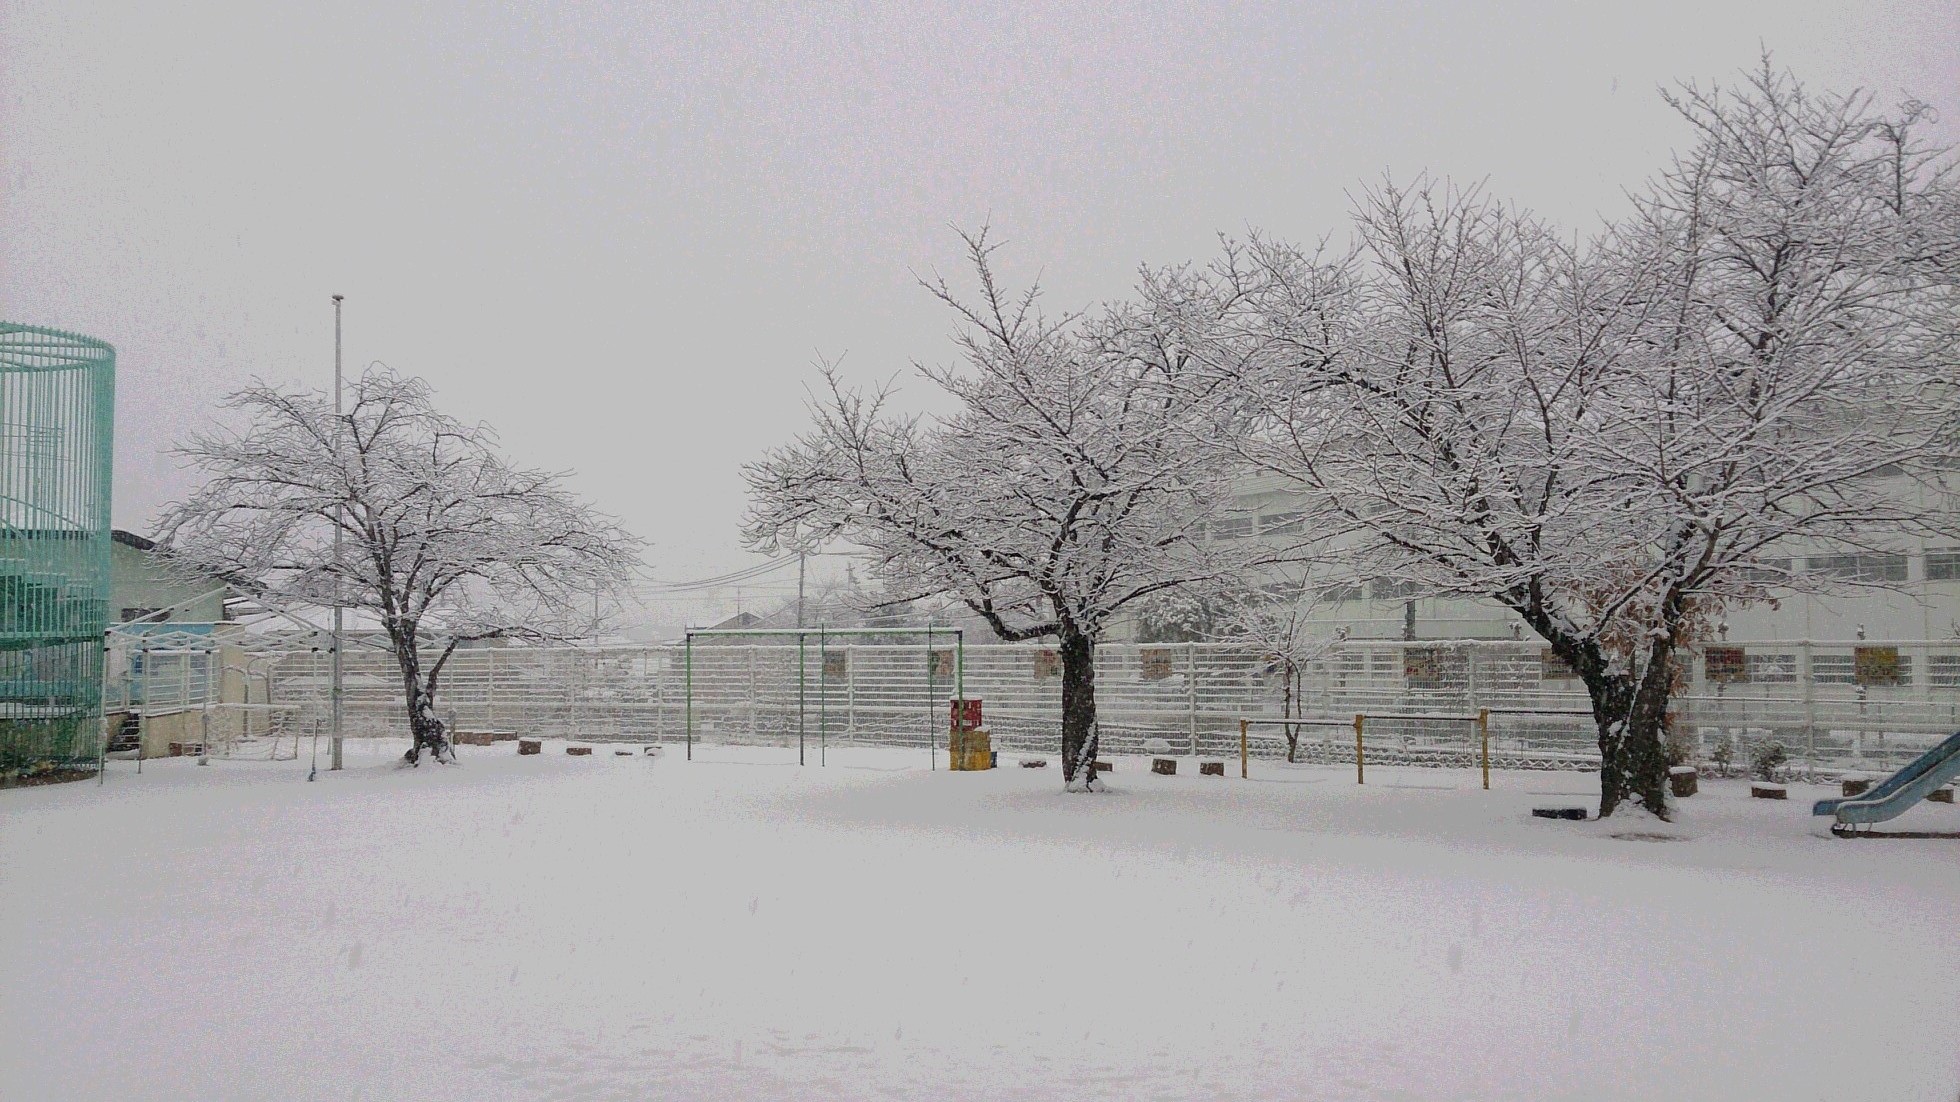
pixel 1862 566
pixel 1943 565
pixel 1771 668
pixel 1340 591
pixel 1832 669
pixel 1943 671
pixel 1232 528
pixel 1394 589
pixel 1278 523
pixel 1767 571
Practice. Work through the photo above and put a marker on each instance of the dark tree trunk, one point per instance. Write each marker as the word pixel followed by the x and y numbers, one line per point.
pixel 1629 713
pixel 1078 707
pixel 423 725
pixel 1288 674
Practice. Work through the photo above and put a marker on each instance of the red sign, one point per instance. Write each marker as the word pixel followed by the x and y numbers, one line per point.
pixel 966 715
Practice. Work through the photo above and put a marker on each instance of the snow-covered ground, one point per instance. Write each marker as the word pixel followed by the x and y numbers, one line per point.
pixel 631 928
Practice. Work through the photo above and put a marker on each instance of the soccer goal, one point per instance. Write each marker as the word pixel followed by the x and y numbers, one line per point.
pixel 865 688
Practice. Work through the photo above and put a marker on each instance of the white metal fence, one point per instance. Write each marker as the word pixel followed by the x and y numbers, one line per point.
pixel 1833 705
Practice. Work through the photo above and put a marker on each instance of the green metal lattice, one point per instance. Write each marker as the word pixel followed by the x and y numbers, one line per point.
pixel 57 410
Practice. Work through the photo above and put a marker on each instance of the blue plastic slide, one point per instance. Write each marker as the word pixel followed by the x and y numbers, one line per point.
pixel 1890 798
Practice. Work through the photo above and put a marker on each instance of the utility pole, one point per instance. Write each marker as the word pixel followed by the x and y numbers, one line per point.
pixel 336 744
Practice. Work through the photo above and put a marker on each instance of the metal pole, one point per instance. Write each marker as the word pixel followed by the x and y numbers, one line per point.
pixel 688 668
pixel 1243 751
pixel 335 743
pixel 1483 735
pixel 799 680
pixel 932 699
pixel 1359 778
pixel 823 697
pixel 1191 692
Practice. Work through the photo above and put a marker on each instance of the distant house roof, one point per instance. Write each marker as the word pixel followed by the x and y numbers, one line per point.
pixel 131 539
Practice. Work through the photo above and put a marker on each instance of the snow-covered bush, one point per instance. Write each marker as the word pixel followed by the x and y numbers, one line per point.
pixel 1767 760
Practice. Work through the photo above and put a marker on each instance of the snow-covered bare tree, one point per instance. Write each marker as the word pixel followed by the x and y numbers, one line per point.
pixel 1616 438
pixel 1277 618
pixel 445 541
pixel 1062 489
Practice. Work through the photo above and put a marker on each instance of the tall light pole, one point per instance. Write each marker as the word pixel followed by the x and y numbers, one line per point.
pixel 336 540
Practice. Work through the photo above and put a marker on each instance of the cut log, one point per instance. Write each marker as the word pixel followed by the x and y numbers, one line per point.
pixel 579 751
pixel 622 753
pixel 1103 767
pixel 1855 784
pixel 529 746
pixel 1764 790
pixel 1034 763
pixel 1211 768
pixel 1940 796
pixel 1683 781
pixel 1165 767
pixel 1575 814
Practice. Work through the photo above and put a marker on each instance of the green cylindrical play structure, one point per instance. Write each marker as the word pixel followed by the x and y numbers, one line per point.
pixel 57 420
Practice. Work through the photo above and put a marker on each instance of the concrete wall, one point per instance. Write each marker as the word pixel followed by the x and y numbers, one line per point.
pixel 142 579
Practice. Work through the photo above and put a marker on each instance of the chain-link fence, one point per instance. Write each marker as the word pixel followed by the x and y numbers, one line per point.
pixel 1833 706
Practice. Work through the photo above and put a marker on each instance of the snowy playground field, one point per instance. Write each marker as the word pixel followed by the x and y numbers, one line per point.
pixel 736 927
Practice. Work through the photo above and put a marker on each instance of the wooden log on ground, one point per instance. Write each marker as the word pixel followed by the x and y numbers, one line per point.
pixel 1764 790
pixel 529 746
pixel 1940 796
pixel 1034 763
pixel 1855 784
pixel 1164 767
pixel 1575 814
pixel 579 751
pixel 1683 781
pixel 1211 768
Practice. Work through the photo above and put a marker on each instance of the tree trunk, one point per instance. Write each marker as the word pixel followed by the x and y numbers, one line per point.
pixel 423 726
pixel 1287 674
pixel 1631 717
pixel 1078 708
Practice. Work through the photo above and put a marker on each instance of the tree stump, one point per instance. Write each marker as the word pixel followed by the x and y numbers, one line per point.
pixel 1940 796
pixel 1034 763
pixel 1165 767
pixel 1764 790
pixel 1855 784
pixel 1211 769
pixel 579 751
pixel 529 746
pixel 1683 781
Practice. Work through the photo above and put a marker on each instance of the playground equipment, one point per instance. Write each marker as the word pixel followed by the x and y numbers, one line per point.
pixel 57 409
pixel 1890 798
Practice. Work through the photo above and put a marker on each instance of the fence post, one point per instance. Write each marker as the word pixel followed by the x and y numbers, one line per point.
pixel 1191 692
pixel 1244 774
pixel 1359 776
pixel 1483 736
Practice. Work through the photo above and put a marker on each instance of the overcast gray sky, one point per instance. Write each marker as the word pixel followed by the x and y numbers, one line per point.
pixel 621 232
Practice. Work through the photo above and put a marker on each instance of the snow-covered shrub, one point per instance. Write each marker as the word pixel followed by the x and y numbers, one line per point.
pixel 1766 764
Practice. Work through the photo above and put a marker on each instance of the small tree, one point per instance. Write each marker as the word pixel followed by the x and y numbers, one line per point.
pixel 1062 489
pixel 444 540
